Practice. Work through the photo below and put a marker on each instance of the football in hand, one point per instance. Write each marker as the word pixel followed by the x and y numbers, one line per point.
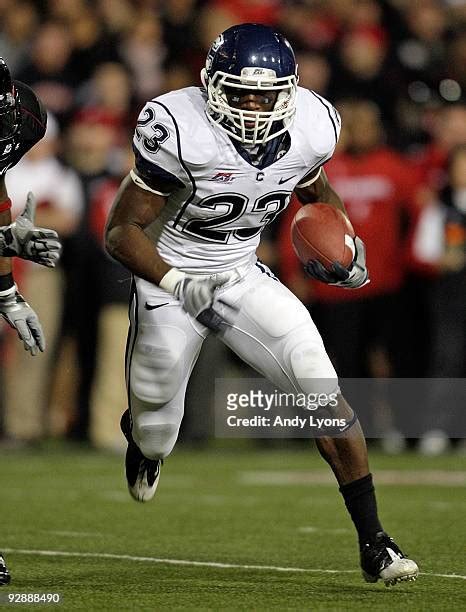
pixel 322 232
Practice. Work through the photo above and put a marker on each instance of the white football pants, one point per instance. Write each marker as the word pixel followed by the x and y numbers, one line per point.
pixel 268 327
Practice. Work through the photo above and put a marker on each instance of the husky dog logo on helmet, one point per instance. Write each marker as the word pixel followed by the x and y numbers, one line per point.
pixel 252 58
pixel 218 42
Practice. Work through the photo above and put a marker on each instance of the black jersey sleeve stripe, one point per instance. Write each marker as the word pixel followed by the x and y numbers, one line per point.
pixel 328 112
pixel 332 109
pixel 153 175
pixel 263 269
pixel 131 338
pixel 330 106
pixel 183 165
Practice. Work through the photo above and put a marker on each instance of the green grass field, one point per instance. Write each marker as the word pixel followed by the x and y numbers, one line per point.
pixel 268 509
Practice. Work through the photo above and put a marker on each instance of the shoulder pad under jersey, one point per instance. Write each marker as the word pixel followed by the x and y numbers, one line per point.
pixel 318 123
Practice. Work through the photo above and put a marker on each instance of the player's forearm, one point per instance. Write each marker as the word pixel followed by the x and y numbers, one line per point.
pixel 320 191
pixel 128 244
pixel 5 262
pixel 331 197
pixel 5 219
pixel 125 240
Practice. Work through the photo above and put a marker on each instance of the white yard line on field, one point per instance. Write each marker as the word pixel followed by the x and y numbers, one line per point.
pixel 74 534
pixel 214 564
pixel 325 530
pixel 445 478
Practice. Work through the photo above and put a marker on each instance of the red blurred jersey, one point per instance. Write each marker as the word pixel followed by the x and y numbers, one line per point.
pixel 101 203
pixel 265 12
pixel 431 165
pixel 378 190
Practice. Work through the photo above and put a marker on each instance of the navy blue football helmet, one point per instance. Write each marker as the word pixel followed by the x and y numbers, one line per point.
pixel 251 57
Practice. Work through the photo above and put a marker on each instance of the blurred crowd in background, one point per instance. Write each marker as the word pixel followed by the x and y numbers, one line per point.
pixel 396 70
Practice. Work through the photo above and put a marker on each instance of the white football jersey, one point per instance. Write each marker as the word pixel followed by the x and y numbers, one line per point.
pixel 220 203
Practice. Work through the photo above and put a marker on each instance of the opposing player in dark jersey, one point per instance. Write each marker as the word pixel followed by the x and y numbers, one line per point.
pixel 23 122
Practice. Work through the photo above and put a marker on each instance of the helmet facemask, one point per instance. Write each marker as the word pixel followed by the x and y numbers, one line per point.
pixel 234 120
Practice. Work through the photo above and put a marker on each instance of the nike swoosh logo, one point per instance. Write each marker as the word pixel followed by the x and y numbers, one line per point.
pixel 148 306
pixel 285 180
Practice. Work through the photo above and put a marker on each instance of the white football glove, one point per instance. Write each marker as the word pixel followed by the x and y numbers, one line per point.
pixel 349 278
pixel 23 239
pixel 20 316
pixel 197 296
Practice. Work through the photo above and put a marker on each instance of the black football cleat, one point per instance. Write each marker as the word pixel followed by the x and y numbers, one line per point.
pixel 142 474
pixel 4 573
pixel 381 559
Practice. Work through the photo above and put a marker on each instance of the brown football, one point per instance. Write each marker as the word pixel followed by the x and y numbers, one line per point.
pixel 322 232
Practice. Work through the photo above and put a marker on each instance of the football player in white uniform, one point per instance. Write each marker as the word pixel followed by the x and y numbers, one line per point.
pixel 213 166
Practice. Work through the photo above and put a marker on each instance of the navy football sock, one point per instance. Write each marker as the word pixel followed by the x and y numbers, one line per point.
pixel 360 501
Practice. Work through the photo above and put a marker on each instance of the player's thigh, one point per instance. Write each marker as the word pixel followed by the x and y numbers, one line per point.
pixel 273 331
pixel 163 345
